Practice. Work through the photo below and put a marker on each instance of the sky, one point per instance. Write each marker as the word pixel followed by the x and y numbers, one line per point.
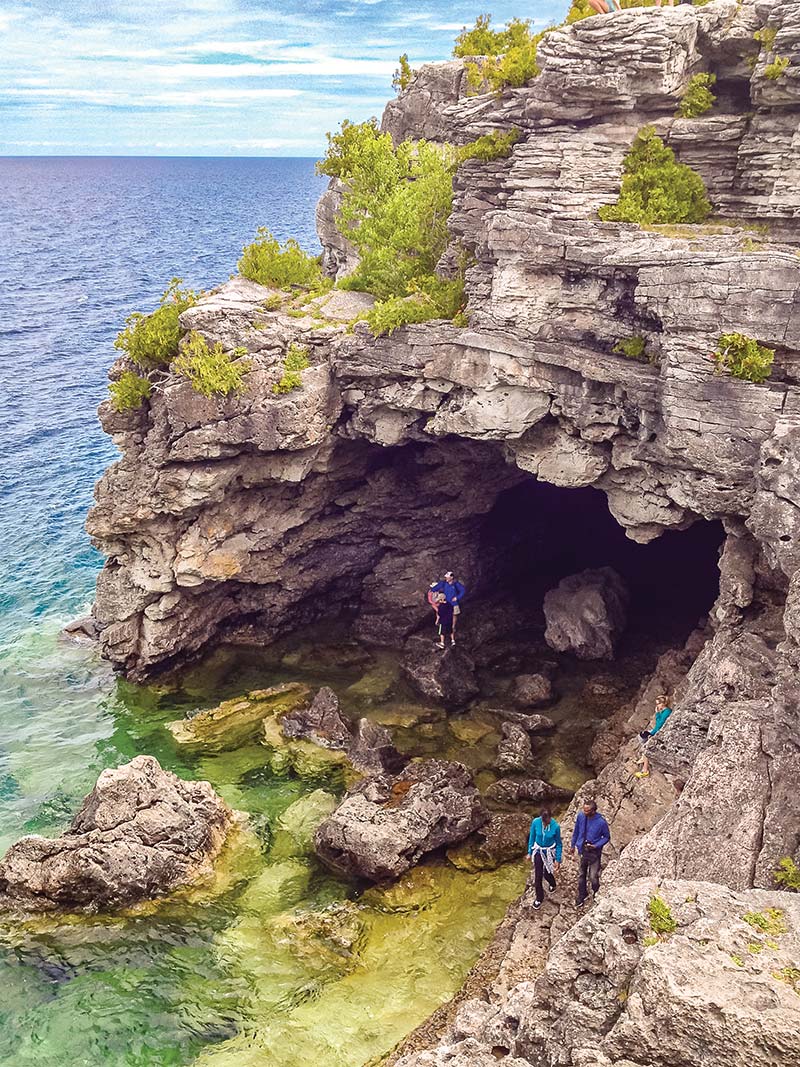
pixel 212 77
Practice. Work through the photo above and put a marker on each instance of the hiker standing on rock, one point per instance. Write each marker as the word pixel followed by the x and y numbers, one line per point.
pixel 445 620
pixel 544 852
pixel 663 712
pixel 589 837
pixel 454 593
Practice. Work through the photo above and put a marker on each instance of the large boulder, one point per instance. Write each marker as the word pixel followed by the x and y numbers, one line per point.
pixel 532 690
pixel 141 833
pixel 503 838
pixel 372 750
pixel 386 823
pixel 447 677
pixel 321 722
pixel 586 613
pixel 525 791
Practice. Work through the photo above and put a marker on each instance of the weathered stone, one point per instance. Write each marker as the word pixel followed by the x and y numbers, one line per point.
pixel 446 677
pixel 525 791
pixel 529 721
pixel 234 722
pixel 372 750
pixel 532 690
pixel 586 613
pixel 321 722
pixel 503 838
pixel 385 824
pixel 141 833
pixel 514 752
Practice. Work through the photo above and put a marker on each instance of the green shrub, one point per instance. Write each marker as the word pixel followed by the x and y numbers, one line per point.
pixel 512 61
pixel 403 75
pixel 395 207
pixel 790 975
pixel 494 145
pixel 661 920
pixel 766 37
pixel 438 300
pixel 787 875
pixel 737 960
pixel 211 371
pixel 777 68
pixel 295 361
pixel 579 9
pixel 698 97
pixel 129 391
pixel 273 302
pixel 152 340
pixel 632 347
pixel 744 358
pixel 481 40
pixel 769 921
pixel 283 266
pixel 655 188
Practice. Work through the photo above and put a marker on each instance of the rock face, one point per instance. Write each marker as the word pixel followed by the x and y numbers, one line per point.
pixel 586 613
pixel 613 994
pixel 386 823
pixel 141 833
pixel 322 722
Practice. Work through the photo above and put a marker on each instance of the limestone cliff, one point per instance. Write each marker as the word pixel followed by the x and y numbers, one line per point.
pixel 244 518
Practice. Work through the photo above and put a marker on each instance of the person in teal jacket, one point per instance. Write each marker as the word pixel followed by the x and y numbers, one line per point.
pixel 544 852
pixel 663 712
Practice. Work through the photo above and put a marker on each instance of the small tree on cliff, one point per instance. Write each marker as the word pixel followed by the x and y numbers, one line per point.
pixel 655 188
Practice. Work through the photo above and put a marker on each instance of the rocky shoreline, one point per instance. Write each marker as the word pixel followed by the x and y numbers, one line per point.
pixel 239 520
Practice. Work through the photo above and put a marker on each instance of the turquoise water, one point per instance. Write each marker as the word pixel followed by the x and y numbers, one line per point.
pixel 278 964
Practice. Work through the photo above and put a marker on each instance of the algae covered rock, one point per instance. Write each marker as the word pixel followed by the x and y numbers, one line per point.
pixel 386 823
pixel 141 833
pixel 503 838
pixel 304 758
pixel 301 819
pixel 235 722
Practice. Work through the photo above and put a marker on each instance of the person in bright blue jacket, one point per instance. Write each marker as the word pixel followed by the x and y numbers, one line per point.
pixel 590 836
pixel 544 852
pixel 663 712
pixel 455 592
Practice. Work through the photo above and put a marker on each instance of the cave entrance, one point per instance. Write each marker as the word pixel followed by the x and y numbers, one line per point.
pixel 536 534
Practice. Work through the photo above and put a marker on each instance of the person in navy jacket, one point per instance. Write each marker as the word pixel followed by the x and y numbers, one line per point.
pixel 590 836
pixel 454 592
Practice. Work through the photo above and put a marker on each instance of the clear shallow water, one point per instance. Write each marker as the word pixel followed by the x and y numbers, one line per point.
pixel 280 968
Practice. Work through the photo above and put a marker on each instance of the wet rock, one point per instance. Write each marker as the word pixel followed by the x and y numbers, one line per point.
pixel 586 613
pixel 372 750
pixel 525 791
pixel 83 630
pixel 386 823
pixel 141 833
pixel 514 752
pixel 532 690
pixel 503 838
pixel 235 722
pixel 300 820
pixel 531 723
pixel 445 677
pixel 321 722
pixel 304 758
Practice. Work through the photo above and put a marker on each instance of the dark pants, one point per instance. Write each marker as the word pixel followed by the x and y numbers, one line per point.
pixel 539 872
pixel 590 870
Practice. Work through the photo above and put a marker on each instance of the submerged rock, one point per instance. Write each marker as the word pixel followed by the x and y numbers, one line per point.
pixel 322 722
pixel 235 722
pixel 386 823
pixel 525 791
pixel 141 833
pixel 446 677
pixel 532 690
pixel 532 723
pixel 514 752
pixel 586 613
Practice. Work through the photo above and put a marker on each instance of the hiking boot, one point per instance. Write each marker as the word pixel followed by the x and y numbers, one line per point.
pixel 536 905
pixel 580 903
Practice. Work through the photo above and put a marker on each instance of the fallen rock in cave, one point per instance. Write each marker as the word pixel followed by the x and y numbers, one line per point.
pixel 372 750
pixel 503 838
pixel 141 833
pixel 586 613
pixel 514 751
pixel 532 723
pixel 386 823
pixel 532 690
pixel 707 985
pixel 321 722
pixel 235 722
pixel 446 677
pixel 525 791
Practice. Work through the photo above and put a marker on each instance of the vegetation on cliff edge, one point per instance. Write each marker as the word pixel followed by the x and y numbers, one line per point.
pixel 211 371
pixel 743 357
pixel 508 56
pixel 656 188
pixel 286 266
pixel 152 340
pixel 294 363
pixel 129 391
pixel 698 97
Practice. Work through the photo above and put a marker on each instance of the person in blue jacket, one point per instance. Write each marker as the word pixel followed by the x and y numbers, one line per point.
pixel 663 712
pixel 544 852
pixel 455 592
pixel 590 836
